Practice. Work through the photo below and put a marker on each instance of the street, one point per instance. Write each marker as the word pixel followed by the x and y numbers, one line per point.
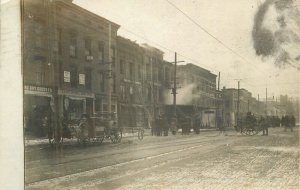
pixel 205 161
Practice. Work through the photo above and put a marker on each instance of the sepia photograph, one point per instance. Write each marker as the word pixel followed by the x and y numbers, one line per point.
pixel 160 94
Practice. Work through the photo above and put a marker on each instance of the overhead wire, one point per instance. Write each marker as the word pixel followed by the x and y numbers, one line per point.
pixel 208 33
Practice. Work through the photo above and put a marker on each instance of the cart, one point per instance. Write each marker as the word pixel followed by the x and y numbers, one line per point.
pixel 86 129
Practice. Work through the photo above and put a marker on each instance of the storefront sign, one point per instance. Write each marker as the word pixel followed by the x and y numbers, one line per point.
pixel 67 76
pixel 82 79
pixel 71 93
pixel 37 90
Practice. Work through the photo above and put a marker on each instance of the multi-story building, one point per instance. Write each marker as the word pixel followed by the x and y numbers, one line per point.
pixel 246 104
pixel 142 82
pixel 198 90
pixel 66 55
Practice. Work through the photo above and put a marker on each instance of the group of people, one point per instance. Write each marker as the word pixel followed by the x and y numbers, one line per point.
pixel 288 122
pixel 271 121
pixel 162 127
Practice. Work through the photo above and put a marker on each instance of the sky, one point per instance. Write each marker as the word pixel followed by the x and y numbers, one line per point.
pixel 256 42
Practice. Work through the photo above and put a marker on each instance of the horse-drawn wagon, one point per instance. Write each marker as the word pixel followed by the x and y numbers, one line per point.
pixel 87 129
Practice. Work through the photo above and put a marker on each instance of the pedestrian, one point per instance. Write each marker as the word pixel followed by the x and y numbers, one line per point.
pixel 165 125
pixel 196 126
pixel 220 125
pixel 264 125
pixel 173 125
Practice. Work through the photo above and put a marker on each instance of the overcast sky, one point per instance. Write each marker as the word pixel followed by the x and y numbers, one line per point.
pixel 160 24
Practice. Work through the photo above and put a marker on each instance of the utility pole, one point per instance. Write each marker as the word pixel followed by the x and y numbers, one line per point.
pixel 219 82
pixel 266 101
pixel 248 105
pixel 238 105
pixel 109 72
pixel 174 90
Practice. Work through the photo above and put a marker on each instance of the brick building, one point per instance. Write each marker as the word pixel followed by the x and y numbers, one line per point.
pixel 198 91
pixel 246 104
pixel 66 51
pixel 142 80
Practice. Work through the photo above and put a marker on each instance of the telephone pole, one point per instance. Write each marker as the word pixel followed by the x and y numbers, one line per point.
pixel 174 90
pixel 109 72
pixel 266 101
pixel 238 105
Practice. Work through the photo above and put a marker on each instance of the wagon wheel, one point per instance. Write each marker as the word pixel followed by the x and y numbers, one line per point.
pixel 53 139
pixel 100 139
pixel 83 133
pixel 116 136
pixel 141 134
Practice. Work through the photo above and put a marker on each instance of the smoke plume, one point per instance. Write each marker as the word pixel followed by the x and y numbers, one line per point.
pixel 276 32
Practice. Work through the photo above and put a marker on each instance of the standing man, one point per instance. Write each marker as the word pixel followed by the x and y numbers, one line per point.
pixel 264 125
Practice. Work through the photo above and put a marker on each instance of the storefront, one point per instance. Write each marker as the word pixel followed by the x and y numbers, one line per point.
pixel 76 103
pixel 37 109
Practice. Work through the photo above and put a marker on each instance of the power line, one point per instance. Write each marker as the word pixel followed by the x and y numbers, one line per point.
pixel 207 32
pixel 168 49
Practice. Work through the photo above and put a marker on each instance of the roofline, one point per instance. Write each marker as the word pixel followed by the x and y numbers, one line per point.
pixel 81 9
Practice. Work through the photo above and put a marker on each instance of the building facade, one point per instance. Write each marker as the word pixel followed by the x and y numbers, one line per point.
pixel 66 55
pixel 142 81
pixel 198 90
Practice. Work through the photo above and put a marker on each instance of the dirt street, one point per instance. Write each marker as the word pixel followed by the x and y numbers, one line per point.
pixel 205 161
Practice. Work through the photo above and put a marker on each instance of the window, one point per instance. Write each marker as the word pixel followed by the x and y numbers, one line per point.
pixel 73 45
pixel 148 71
pixel 131 71
pixel 38 33
pixel 88 79
pixel 98 103
pixel 122 67
pixel 139 73
pixel 40 76
pixel 112 55
pixel 101 52
pixel 88 47
pixel 57 42
pixel 102 82
pixel 74 79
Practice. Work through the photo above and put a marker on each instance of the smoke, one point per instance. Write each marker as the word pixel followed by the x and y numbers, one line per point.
pixel 276 32
pixel 184 96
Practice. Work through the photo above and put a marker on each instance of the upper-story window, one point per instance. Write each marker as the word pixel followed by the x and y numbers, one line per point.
pixel 101 52
pixel 139 72
pixel 40 76
pixel 112 55
pixel 122 65
pixel 38 34
pixel 88 47
pixel 73 45
pixel 131 71
pixel 57 41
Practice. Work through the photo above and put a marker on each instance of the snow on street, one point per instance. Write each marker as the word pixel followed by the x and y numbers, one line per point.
pixel 205 161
